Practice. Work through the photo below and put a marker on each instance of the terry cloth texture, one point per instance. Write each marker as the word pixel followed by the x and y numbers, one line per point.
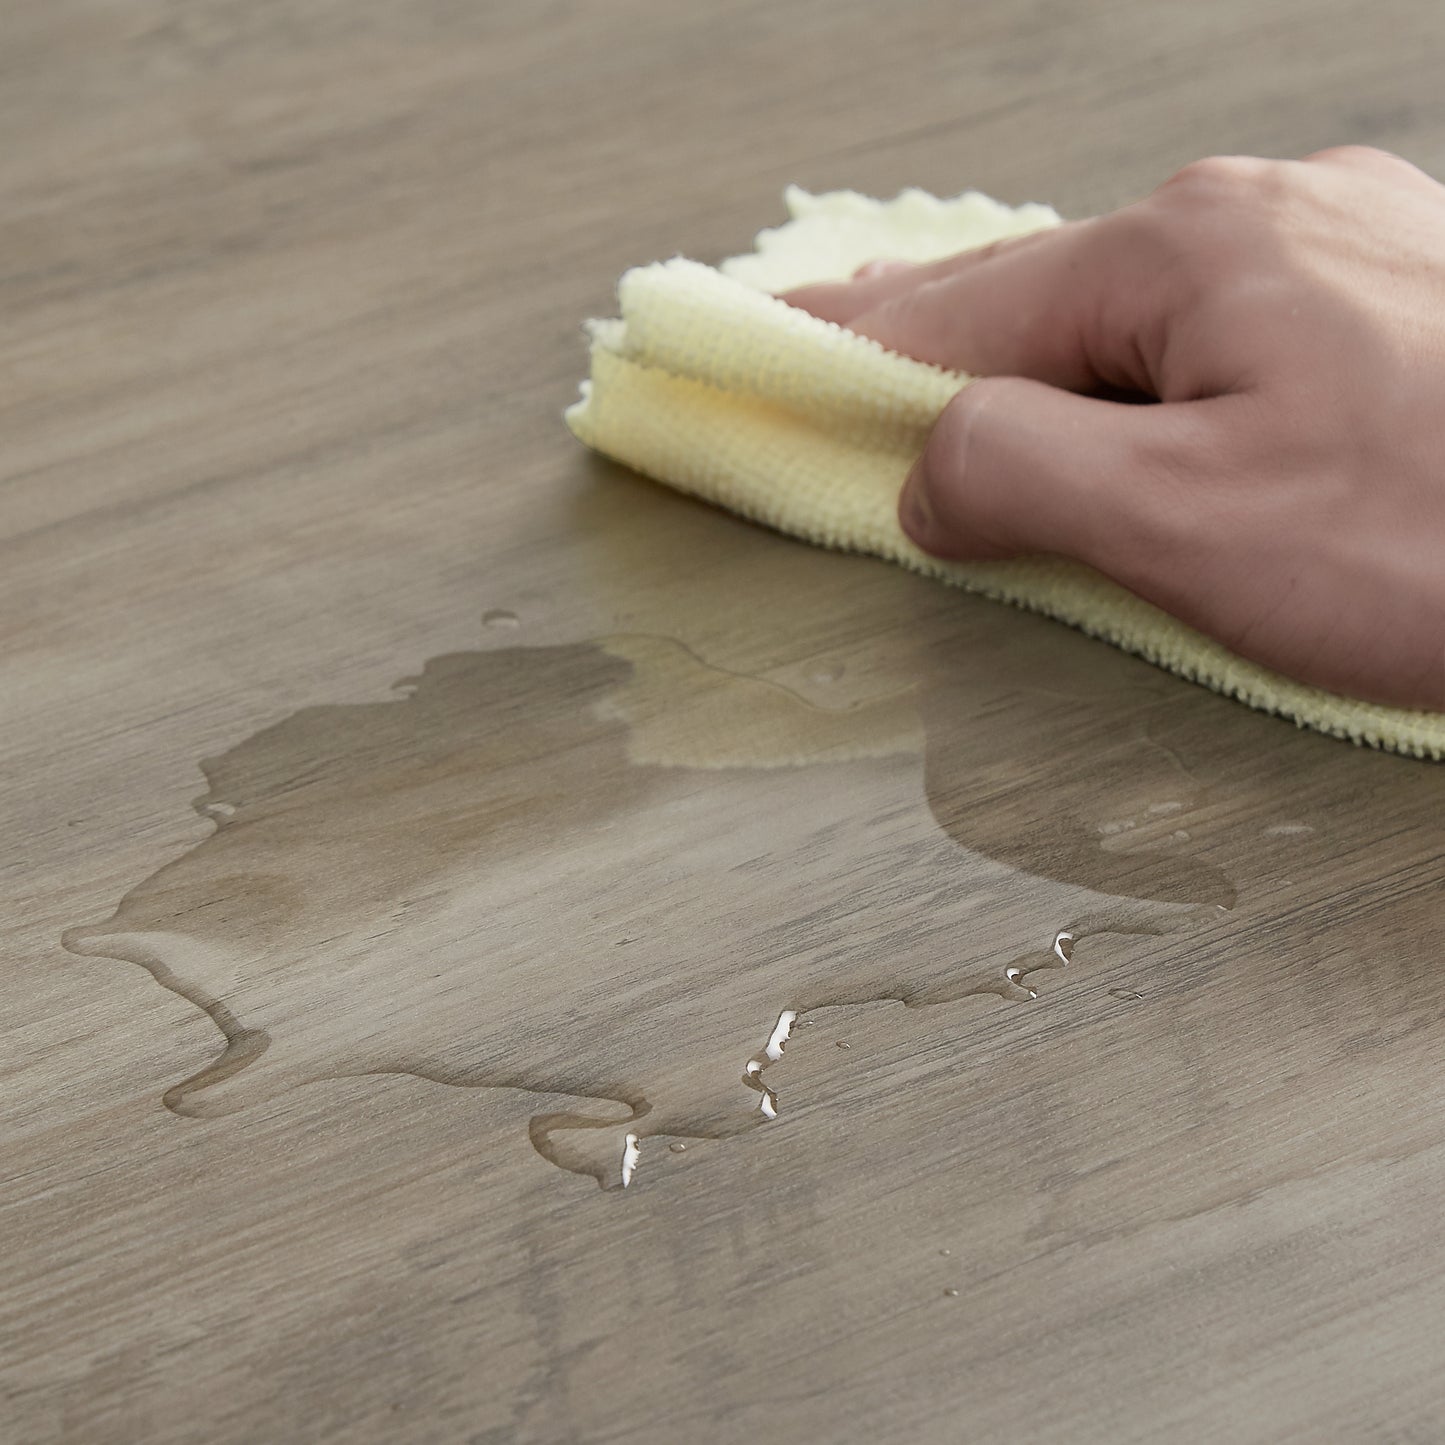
pixel 711 384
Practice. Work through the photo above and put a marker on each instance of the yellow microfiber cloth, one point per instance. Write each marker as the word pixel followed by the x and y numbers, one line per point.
pixel 711 384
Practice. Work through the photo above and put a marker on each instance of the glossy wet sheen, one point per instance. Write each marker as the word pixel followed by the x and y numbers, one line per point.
pixel 366 987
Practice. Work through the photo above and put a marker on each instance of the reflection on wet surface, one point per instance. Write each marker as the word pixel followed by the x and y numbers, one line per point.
pixel 505 878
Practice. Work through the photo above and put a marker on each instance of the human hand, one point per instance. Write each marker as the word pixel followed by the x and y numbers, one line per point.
pixel 1287 493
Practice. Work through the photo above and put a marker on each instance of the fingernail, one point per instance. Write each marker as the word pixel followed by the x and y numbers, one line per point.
pixel 915 511
pixel 869 269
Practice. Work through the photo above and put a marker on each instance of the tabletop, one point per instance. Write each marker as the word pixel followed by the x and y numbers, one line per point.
pixel 498 951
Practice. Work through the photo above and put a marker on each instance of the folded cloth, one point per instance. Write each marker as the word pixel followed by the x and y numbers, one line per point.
pixel 711 384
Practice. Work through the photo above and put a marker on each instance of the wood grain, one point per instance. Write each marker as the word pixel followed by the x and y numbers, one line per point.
pixel 328 1005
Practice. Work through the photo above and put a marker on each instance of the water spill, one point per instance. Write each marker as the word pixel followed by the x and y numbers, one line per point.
pixel 681 712
pixel 566 878
pixel 1013 988
pixel 500 619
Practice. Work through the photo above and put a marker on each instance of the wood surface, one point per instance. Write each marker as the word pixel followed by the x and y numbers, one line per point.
pixel 330 1005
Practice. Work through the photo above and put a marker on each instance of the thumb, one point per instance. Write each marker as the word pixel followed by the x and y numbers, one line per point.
pixel 1015 466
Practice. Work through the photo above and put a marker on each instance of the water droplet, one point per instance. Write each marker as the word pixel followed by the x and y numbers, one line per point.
pixel 1180 835
pixel 678 1147
pixel 841 1045
pixel 1122 826
pixel 772 1052
pixel 828 672
pixel 1288 830
pixel 1124 993
pixel 1158 809
pixel 499 617
pixel 945 1251
pixel 220 810
pixel 630 1154
pixel 951 1293
pixel 1015 976
pixel 778 1039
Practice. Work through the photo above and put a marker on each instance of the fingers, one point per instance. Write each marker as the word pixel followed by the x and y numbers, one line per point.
pixel 1015 466
pixel 879 281
pixel 1090 305
pixel 885 267
pixel 1074 306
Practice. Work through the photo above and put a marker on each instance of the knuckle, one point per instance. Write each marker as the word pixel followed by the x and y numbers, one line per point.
pixel 1361 155
pixel 1213 176
pixel 954 443
pixel 955 422
pixel 1200 221
pixel 960 416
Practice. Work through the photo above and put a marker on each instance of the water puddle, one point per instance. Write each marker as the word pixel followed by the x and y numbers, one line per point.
pixel 576 876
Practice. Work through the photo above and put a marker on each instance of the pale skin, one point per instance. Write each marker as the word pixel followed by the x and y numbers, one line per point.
pixel 1286 493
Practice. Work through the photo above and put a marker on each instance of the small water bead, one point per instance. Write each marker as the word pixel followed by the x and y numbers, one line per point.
pixel 1126 993
pixel 1015 976
pixel 499 617
pixel 678 1148
pixel 778 1039
pixel 951 1293
pixel 631 1153
pixel 841 1045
